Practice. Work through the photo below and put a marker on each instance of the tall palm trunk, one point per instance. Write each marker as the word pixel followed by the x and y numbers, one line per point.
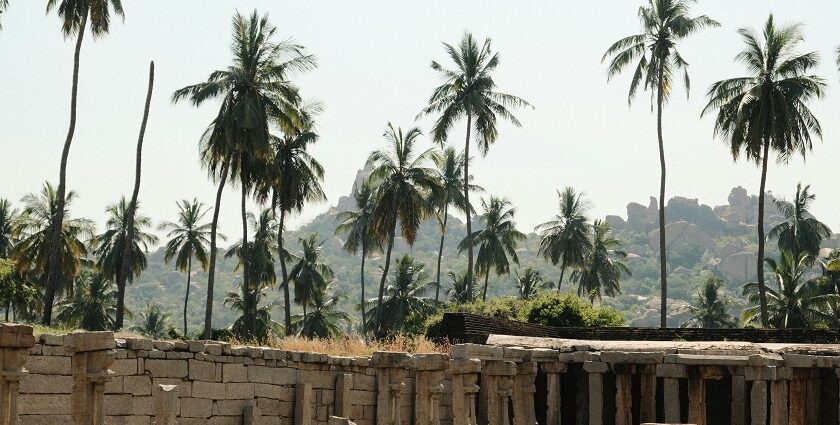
pixel 54 269
pixel 440 250
pixel 187 294
pixel 362 276
pixel 211 272
pixel 562 273
pixel 132 207
pixel 484 294
pixel 287 305
pixel 382 280
pixel 663 263
pixel 467 206
pixel 762 292
pixel 244 247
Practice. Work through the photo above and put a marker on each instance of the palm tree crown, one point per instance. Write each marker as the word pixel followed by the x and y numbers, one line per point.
pixel 109 246
pixel 324 319
pixel 603 268
pixel 310 275
pixel 800 232
pixel 8 216
pixel 93 304
pixel 711 307
pixel 155 323
pixel 565 238
pixel 529 283
pixel 404 296
pixel 75 14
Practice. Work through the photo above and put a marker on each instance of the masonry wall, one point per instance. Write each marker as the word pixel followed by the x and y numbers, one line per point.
pixel 215 382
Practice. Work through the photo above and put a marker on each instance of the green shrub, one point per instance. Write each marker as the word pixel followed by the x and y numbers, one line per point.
pixel 567 310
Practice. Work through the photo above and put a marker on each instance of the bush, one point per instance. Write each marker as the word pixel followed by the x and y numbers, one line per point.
pixel 501 308
pixel 567 310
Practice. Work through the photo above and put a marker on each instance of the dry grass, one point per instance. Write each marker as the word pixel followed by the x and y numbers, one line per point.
pixel 354 346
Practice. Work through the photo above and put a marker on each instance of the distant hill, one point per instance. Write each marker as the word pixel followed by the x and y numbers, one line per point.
pixel 702 240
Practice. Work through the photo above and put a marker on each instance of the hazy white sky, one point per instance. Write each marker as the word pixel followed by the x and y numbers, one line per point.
pixel 374 67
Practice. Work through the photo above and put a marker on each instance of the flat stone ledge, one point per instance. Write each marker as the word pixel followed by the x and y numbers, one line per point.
pixel 77 342
pixel 13 335
pixel 638 357
pixel 391 359
pixel 707 360
pixel 476 351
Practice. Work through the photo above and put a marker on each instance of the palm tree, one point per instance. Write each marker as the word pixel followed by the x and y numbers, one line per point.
pixel 110 247
pixel 4 4
pixel 254 324
pixel 8 216
pixel 604 266
pixel 125 266
pixel 664 23
pixel 310 275
pixel 796 301
pixel 93 304
pixel 768 110
pixel 450 169
pixel 75 16
pixel 324 319
pixel 155 322
pixel 498 240
pixel 188 240
pixel 711 307
pixel 800 232
pixel 404 297
pixel 462 289
pixel 33 252
pixel 470 92
pixel 357 225
pixel 294 178
pixel 530 282
pixel 565 238
pixel 255 93
pixel 404 186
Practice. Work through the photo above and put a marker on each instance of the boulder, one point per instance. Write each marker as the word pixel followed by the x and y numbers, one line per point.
pixel 682 231
pixel 738 268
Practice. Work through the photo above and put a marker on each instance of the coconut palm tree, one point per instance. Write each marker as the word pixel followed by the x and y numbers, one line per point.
pixel 461 290
pixel 125 266
pixel 604 267
pixel 155 324
pixel 450 169
pixel 768 109
pixel 404 297
pixel 33 252
pixel 496 241
pixel 795 301
pixel 8 216
pixel 75 17
pixel 4 4
pixel 254 324
pixel 293 179
pixel 255 93
pixel 324 319
pixel 655 60
pixel 469 91
pixel 711 307
pixel 530 282
pixel 405 184
pixel 357 226
pixel 565 238
pixel 109 247
pixel 310 275
pixel 188 239
pixel 93 304
pixel 800 232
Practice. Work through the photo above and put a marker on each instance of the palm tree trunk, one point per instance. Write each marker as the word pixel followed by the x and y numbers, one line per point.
pixel 287 305
pixel 132 207
pixel 440 250
pixel 244 247
pixel 187 295
pixel 762 292
pixel 54 271
pixel 663 263
pixel 303 322
pixel 382 280
pixel 486 278
pixel 362 276
pixel 562 272
pixel 211 272
pixel 467 205
pixel 8 307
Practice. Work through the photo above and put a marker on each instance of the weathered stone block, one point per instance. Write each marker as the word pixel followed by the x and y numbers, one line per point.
pixel 391 359
pixel 271 375
pixel 160 368
pixel 203 371
pixel 211 390
pixel 238 390
pixel 196 407
pixel 43 404
pixel 117 404
pixel 233 372
pixel 77 342
pixel 48 365
pixel 475 351
pixel 46 384
pixel 124 367
pixel 138 385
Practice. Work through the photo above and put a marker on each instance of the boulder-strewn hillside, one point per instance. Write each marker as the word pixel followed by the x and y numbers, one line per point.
pixel 702 240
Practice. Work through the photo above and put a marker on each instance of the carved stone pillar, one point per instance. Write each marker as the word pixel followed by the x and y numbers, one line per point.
pixel 15 341
pixel 166 404
pixel 596 371
pixel 498 391
pixel 428 385
pixel 303 403
pixel 738 415
pixel 671 374
pixel 758 402
pixel 391 372
pixel 523 393
pixel 779 402
pixel 553 373
pixel 623 394
pixel 797 393
pixel 343 399
pixel 92 355
pixel 464 390
pixel 647 383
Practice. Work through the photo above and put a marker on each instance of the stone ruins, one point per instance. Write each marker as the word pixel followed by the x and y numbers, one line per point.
pixel 93 378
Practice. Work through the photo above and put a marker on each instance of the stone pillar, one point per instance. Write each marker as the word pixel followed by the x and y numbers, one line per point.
pixel 623 394
pixel 647 383
pixel 779 402
pixel 166 404
pixel 696 400
pixel 738 414
pixel 391 372
pixel 343 400
pixel 813 387
pixel 303 403
pixel 464 390
pixel 428 385
pixel 15 341
pixel 596 372
pixel 553 372
pixel 758 402
pixel 92 354
pixel 671 374
pixel 798 391
pixel 498 390
pixel 582 398
pixel 523 394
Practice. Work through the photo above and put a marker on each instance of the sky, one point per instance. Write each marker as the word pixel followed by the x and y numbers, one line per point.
pixel 374 59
